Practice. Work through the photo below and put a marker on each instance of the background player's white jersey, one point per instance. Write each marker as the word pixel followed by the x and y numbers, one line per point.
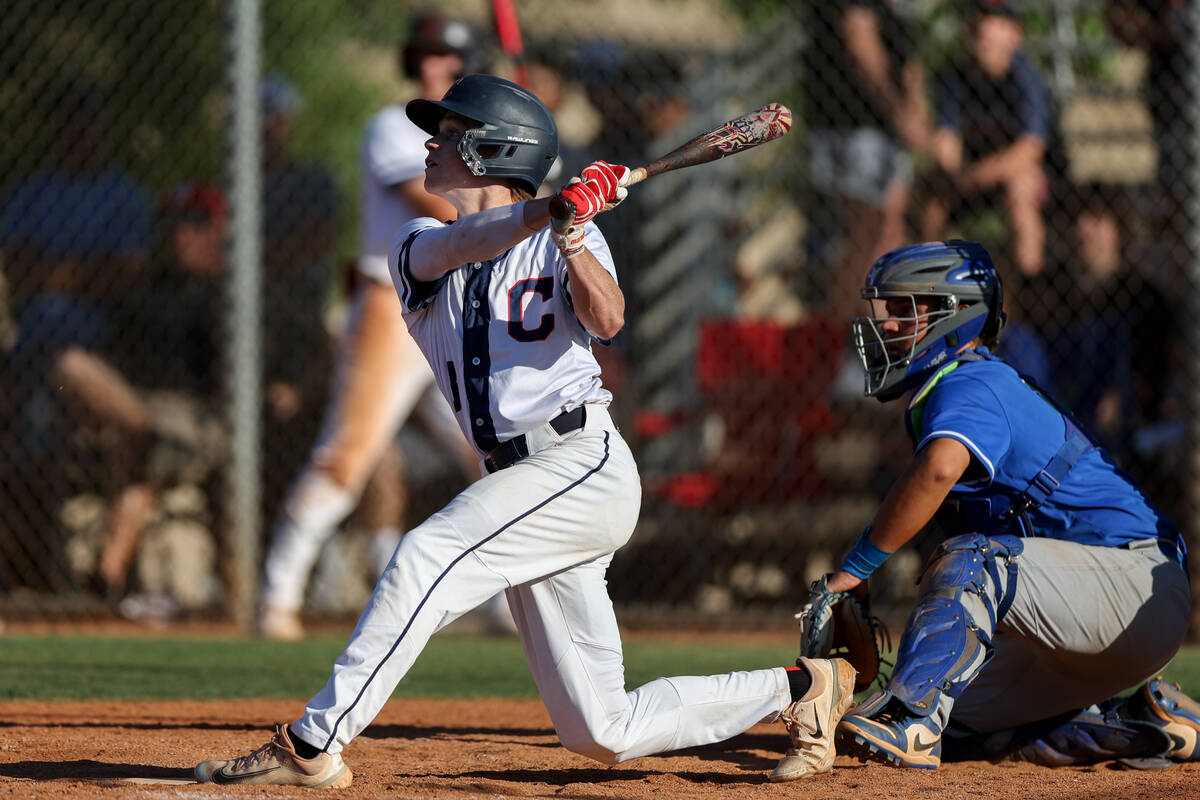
pixel 506 348
pixel 393 151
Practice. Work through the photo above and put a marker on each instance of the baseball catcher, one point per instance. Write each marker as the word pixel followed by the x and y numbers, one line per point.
pixel 1059 585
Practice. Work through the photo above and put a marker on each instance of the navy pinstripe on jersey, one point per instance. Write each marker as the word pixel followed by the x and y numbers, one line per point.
pixel 504 333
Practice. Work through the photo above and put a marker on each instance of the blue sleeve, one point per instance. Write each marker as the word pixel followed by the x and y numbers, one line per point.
pixel 134 235
pixel 965 409
pixel 17 219
pixel 1035 103
pixel 949 93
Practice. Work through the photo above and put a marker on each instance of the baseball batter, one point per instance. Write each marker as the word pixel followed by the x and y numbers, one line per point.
pixel 381 376
pixel 1059 586
pixel 505 309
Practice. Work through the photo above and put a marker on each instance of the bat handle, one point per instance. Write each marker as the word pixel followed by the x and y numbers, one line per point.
pixel 562 209
pixel 637 175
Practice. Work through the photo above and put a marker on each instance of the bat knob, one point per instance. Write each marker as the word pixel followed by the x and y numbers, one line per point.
pixel 562 209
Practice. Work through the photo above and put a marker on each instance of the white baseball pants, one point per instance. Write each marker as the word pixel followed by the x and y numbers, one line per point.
pixel 544 530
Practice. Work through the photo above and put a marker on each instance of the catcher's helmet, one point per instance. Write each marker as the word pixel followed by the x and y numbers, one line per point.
pixel 434 33
pixel 947 275
pixel 514 130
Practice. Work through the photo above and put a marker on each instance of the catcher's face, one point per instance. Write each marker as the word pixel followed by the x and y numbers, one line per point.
pixel 902 322
pixel 888 339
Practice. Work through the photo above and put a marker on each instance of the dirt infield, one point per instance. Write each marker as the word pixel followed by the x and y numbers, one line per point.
pixel 473 749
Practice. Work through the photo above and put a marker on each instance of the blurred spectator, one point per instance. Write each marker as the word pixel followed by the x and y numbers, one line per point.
pixel 1112 340
pixel 300 207
pixel 1161 29
pixel 170 360
pixel 75 234
pixel 639 100
pixel 992 130
pixel 866 109
pixel 547 76
pixel 381 374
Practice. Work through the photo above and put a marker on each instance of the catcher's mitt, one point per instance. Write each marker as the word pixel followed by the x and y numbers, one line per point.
pixel 841 624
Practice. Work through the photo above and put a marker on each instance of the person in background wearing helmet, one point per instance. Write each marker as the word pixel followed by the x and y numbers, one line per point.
pixel 380 376
pixel 505 306
pixel 1059 584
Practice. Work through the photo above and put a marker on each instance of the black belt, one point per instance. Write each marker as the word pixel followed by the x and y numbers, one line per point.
pixel 516 448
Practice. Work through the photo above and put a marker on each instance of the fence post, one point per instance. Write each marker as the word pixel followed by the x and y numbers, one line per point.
pixel 244 329
pixel 1192 205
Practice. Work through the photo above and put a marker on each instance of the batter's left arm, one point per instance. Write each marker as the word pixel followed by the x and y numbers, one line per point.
pixel 598 301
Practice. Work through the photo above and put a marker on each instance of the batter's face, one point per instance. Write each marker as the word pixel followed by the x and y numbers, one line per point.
pixel 444 167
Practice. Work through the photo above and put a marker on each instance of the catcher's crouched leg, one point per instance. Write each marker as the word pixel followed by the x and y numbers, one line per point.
pixel 965 592
pixel 1150 729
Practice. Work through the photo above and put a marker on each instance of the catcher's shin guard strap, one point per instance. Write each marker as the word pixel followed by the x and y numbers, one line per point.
pixel 1009 547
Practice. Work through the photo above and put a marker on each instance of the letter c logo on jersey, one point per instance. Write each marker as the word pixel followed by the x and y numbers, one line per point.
pixel 543 286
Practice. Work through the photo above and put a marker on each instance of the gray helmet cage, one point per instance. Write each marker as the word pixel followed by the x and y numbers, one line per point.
pixel 881 367
pixel 473 138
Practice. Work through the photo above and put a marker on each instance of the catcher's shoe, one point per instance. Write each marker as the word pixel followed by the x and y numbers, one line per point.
pixel 1166 706
pixel 277 764
pixel 891 736
pixel 812 720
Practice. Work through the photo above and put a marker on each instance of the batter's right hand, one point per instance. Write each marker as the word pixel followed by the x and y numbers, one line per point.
pixel 598 188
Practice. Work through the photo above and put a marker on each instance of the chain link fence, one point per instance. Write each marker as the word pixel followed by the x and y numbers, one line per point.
pixel 1059 133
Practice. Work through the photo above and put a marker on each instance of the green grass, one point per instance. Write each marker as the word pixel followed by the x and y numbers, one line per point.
pixel 453 665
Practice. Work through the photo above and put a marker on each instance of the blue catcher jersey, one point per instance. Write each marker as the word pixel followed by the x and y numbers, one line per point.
pixel 1012 433
pixel 501 335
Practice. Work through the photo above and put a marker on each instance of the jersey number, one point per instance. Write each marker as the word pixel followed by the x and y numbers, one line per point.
pixel 516 312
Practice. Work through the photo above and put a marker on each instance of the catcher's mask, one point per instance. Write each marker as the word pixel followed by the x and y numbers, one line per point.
pixel 514 135
pixel 927 301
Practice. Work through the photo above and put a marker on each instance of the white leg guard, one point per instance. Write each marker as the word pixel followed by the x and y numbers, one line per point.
pixel 314 508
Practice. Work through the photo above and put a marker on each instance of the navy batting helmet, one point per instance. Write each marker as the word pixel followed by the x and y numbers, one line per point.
pixel 515 135
pixel 901 347
pixel 434 33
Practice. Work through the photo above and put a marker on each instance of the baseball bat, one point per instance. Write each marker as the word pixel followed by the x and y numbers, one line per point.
pixel 508 31
pixel 740 134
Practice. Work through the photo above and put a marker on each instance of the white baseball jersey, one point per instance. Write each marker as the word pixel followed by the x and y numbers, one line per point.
pixel 393 151
pixel 506 348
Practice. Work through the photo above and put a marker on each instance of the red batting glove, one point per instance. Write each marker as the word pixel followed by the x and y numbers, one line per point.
pixel 598 188
pixel 611 180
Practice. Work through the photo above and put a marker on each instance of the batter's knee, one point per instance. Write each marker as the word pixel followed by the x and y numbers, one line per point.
pixel 586 744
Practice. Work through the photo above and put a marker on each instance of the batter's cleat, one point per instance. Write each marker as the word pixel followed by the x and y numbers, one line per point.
pixel 812 720
pixel 891 736
pixel 276 764
pixel 279 624
pixel 1166 706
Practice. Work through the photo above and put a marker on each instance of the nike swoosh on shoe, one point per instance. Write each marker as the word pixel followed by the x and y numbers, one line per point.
pixel 920 746
pixel 221 777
